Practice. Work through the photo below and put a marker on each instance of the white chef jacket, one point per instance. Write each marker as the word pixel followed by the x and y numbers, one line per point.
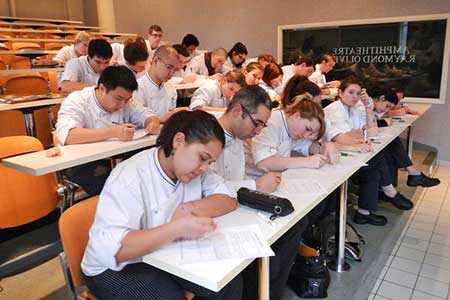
pixel 340 118
pixel 79 70
pixel 209 94
pixel 81 109
pixel 139 195
pixel 159 99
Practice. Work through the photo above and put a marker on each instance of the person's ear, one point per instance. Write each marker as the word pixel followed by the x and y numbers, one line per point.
pixel 178 141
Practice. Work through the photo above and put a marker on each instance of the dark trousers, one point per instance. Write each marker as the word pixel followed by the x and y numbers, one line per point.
pixel 370 178
pixel 91 176
pixel 141 281
pixel 396 158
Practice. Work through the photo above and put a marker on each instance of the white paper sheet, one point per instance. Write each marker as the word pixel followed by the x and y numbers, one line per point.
pixel 139 133
pixel 299 187
pixel 226 243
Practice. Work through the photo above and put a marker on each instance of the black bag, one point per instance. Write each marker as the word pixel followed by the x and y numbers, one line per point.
pixel 275 205
pixel 309 277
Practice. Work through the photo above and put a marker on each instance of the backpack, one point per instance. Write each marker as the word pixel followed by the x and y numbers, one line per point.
pixel 309 277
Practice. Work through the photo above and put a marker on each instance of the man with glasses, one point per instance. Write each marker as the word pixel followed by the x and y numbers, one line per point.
pixel 85 70
pixel 245 117
pixel 155 92
pixel 155 34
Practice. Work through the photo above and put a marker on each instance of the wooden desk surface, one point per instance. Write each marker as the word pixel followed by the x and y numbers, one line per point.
pixel 55 21
pixel 29 104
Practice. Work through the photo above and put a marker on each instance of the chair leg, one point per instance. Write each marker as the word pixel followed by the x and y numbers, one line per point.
pixel 69 283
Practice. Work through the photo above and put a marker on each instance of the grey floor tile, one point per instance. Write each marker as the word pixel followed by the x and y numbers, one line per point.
pixel 418 295
pixel 436 273
pixel 410 253
pixel 415 243
pixel 401 278
pixel 438 261
pixel 419 234
pixel 433 287
pixel 394 291
pixel 406 265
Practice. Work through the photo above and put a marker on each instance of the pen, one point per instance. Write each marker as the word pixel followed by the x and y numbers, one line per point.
pixel 265 170
pixel 365 135
pixel 346 154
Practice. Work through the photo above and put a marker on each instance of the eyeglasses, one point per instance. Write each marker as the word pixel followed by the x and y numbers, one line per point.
pixel 259 124
pixel 170 68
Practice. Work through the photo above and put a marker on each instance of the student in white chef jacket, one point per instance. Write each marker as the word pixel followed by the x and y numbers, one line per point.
pixel 272 81
pixel 325 65
pixel 216 94
pixel 100 113
pixel 180 75
pixel 79 48
pixel 346 120
pixel 85 70
pixel 244 118
pixel 253 73
pixel 207 64
pixel 155 35
pixel 135 56
pixel 236 57
pixel 302 66
pixel 154 90
pixel 191 43
pixel 157 197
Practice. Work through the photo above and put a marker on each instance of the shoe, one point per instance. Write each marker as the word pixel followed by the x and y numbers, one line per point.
pixel 400 201
pixel 422 180
pixel 372 219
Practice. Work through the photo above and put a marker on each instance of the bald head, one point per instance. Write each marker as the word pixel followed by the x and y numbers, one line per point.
pixel 218 57
pixel 221 52
pixel 166 51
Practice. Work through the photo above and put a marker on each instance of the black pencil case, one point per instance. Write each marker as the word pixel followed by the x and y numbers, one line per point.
pixel 275 205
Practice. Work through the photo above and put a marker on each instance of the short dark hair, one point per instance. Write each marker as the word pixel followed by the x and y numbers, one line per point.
pixel 154 27
pixel 238 48
pixel 100 48
pixel 181 50
pixel 346 82
pixel 135 50
pixel 327 57
pixel 118 76
pixel 298 85
pixel 391 96
pixel 250 97
pixel 304 60
pixel 197 126
pixel 189 40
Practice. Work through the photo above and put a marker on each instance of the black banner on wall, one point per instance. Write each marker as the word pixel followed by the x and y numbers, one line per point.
pixel 408 54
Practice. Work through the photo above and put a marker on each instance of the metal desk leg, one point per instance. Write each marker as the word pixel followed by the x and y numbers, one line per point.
pixel 410 140
pixel 29 123
pixel 264 278
pixel 339 264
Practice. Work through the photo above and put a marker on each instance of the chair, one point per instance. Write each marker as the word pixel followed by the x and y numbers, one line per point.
pixel 32 84
pixel 25 45
pixel 28 214
pixel 74 226
pixel 54 46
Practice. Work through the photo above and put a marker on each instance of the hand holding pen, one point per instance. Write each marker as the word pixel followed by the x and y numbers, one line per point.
pixel 124 132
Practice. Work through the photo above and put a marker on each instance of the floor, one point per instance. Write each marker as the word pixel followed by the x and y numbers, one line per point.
pixel 409 258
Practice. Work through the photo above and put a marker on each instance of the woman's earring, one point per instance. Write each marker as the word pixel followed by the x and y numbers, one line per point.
pixel 173 152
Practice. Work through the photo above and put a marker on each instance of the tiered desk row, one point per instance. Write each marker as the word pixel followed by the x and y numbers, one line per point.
pixel 27 46
pixel 215 275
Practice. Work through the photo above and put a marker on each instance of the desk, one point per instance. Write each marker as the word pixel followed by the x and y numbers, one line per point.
pixel 33 70
pixel 43 24
pixel 54 21
pixel 192 85
pixel 215 275
pixel 73 155
pixel 27 109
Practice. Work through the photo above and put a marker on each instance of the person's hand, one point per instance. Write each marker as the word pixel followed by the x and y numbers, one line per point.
pixel 315 161
pixel 331 152
pixel 356 133
pixel 364 97
pixel 412 111
pixel 124 132
pixel 363 148
pixel 192 227
pixel 268 182
pixel 373 131
pixel 152 125
pixel 189 78
pixel 334 84
pixel 388 121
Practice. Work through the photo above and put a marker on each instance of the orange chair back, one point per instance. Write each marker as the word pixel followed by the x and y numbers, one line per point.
pixel 25 45
pixel 74 226
pixel 24 198
pixel 54 46
pixel 26 85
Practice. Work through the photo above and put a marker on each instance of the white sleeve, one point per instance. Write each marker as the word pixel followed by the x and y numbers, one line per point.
pixel 235 185
pixel 212 183
pixel 70 115
pixel 72 71
pixel 140 95
pixel 336 123
pixel 201 97
pixel 62 56
pixel 172 92
pixel 138 113
pixel 119 211
pixel 265 144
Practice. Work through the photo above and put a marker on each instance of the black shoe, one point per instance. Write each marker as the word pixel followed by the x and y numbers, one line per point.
pixel 400 201
pixel 422 180
pixel 373 219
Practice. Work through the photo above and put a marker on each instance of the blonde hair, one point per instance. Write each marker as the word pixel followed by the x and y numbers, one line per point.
pixel 82 36
pixel 308 110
